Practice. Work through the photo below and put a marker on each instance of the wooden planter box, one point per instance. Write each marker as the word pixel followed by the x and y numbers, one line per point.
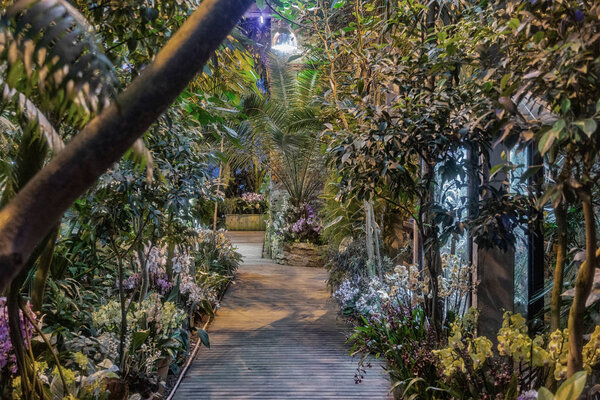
pixel 303 255
pixel 246 222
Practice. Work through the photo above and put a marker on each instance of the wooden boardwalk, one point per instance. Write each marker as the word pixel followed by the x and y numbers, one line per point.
pixel 277 336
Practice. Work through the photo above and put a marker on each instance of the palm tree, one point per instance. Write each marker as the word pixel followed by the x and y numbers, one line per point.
pixel 282 129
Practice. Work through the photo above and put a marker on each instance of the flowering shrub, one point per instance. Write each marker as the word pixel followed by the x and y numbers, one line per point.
pixel 302 225
pixel 215 252
pixel 84 380
pixel 469 358
pixel 152 328
pixel 155 266
pixel 8 362
pixel 400 334
pixel 132 282
pixel 253 198
pixel 407 286
pixel 347 294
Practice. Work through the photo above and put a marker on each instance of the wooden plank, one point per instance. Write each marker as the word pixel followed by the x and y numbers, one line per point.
pixel 278 336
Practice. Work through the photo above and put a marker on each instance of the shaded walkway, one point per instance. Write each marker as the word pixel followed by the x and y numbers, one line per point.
pixel 277 336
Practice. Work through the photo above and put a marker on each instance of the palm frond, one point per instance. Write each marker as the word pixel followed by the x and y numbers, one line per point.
pixel 302 120
pixel 283 82
pixel 27 108
pixel 48 51
pixel 307 84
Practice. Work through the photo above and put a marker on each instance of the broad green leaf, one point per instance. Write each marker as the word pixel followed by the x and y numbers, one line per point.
pixel 558 127
pixel 531 171
pixel 572 387
pixel 546 142
pixel 588 126
pixel 138 338
pixel 545 394
pixel 565 105
pixel 207 307
pixel 203 335
pixel 514 23
pixel 495 169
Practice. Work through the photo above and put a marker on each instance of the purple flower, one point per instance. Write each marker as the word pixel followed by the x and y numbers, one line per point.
pixel 163 283
pixel 578 15
pixel 7 357
pixel 132 282
pixel 529 395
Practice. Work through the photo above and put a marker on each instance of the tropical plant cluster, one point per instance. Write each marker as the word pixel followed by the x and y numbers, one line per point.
pixel 407 136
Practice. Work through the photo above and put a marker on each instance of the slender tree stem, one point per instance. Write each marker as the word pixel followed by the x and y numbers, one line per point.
pixel 560 213
pixel 583 287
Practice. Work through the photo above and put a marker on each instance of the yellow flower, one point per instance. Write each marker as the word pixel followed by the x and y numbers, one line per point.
pixel 520 348
pixel 68 374
pixel 591 350
pixel 480 349
pixel 558 343
pixel 451 362
pixel 540 357
pixel 17 391
pixel 512 337
pixel 560 371
pixel 81 360
pixel 455 339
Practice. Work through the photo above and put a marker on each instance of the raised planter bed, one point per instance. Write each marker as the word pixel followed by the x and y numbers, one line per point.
pixel 246 222
pixel 303 255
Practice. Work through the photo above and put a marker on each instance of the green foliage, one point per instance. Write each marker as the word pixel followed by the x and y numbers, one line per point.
pixel 348 263
pixel 216 253
pixel 288 125
pixel 570 389
pixel 406 343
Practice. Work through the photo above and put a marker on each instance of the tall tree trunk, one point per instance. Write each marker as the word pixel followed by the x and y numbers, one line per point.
pixel 39 205
pixel 560 213
pixel 583 287
pixel 144 273
pixel 376 242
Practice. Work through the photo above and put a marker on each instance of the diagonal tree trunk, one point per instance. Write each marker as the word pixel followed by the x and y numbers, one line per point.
pixel 39 206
